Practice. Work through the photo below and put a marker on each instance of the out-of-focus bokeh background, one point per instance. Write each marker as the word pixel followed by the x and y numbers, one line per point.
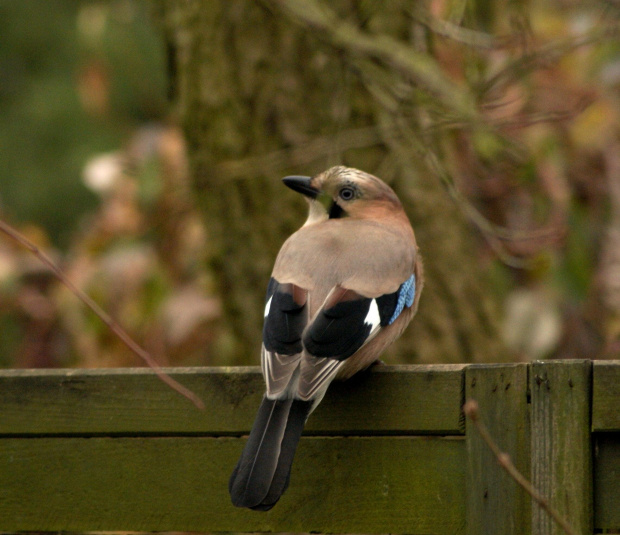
pixel 142 146
pixel 92 166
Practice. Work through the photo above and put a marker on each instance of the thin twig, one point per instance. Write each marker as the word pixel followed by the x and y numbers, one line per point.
pixel 299 155
pixel 326 24
pixel 471 410
pixel 104 316
pixel 455 32
pixel 495 235
pixel 548 54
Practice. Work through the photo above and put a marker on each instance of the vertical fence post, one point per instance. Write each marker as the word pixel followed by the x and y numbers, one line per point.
pixel 496 505
pixel 561 443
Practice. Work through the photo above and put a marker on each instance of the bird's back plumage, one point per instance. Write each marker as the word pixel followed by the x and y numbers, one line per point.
pixel 343 287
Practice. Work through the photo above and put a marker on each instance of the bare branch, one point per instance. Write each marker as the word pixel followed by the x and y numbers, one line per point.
pixel 404 59
pixel 272 163
pixel 548 54
pixel 454 31
pixel 111 323
pixel 471 410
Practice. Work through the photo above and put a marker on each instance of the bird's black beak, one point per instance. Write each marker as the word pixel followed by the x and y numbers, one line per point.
pixel 301 184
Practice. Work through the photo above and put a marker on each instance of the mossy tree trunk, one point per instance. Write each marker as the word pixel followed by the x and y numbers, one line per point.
pixel 266 89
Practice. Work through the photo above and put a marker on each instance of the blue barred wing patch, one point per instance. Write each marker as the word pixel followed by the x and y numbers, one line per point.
pixel 406 294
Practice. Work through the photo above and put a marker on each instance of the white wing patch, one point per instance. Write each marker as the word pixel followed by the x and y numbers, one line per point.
pixel 268 306
pixel 372 317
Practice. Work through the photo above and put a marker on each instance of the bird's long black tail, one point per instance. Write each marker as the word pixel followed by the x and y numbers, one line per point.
pixel 263 471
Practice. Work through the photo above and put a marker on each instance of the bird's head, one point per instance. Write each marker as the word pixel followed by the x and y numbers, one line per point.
pixel 345 192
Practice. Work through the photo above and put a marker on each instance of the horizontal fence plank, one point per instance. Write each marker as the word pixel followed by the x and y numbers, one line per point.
pixel 606 396
pixel 393 400
pixel 607 481
pixel 339 484
pixel 108 450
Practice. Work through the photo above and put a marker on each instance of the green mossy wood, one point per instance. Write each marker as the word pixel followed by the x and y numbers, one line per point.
pixel 98 450
pixel 561 442
pixel 502 392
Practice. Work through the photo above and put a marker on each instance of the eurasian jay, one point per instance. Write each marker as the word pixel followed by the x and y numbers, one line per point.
pixel 344 287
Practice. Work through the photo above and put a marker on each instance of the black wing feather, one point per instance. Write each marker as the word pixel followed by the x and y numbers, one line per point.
pixel 387 305
pixel 286 319
pixel 339 331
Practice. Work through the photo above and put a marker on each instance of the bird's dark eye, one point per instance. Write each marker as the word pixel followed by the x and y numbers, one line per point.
pixel 346 194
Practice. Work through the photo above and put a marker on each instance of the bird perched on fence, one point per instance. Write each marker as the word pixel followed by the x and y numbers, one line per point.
pixel 344 287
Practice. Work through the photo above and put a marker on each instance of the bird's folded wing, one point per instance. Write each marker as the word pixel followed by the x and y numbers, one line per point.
pixel 348 320
pixel 344 324
pixel 286 315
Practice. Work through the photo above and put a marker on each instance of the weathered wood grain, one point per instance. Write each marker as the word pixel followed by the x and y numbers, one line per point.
pixel 607 481
pixel 396 399
pixel 561 443
pixel 606 396
pixel 86 450
pixel 493 498
pixel 363 485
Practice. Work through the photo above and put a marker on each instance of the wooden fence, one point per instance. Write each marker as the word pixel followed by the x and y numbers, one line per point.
pixel 388 451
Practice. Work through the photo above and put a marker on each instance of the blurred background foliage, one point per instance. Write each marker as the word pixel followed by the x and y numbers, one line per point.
pixel 76 78
pixel 94 170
